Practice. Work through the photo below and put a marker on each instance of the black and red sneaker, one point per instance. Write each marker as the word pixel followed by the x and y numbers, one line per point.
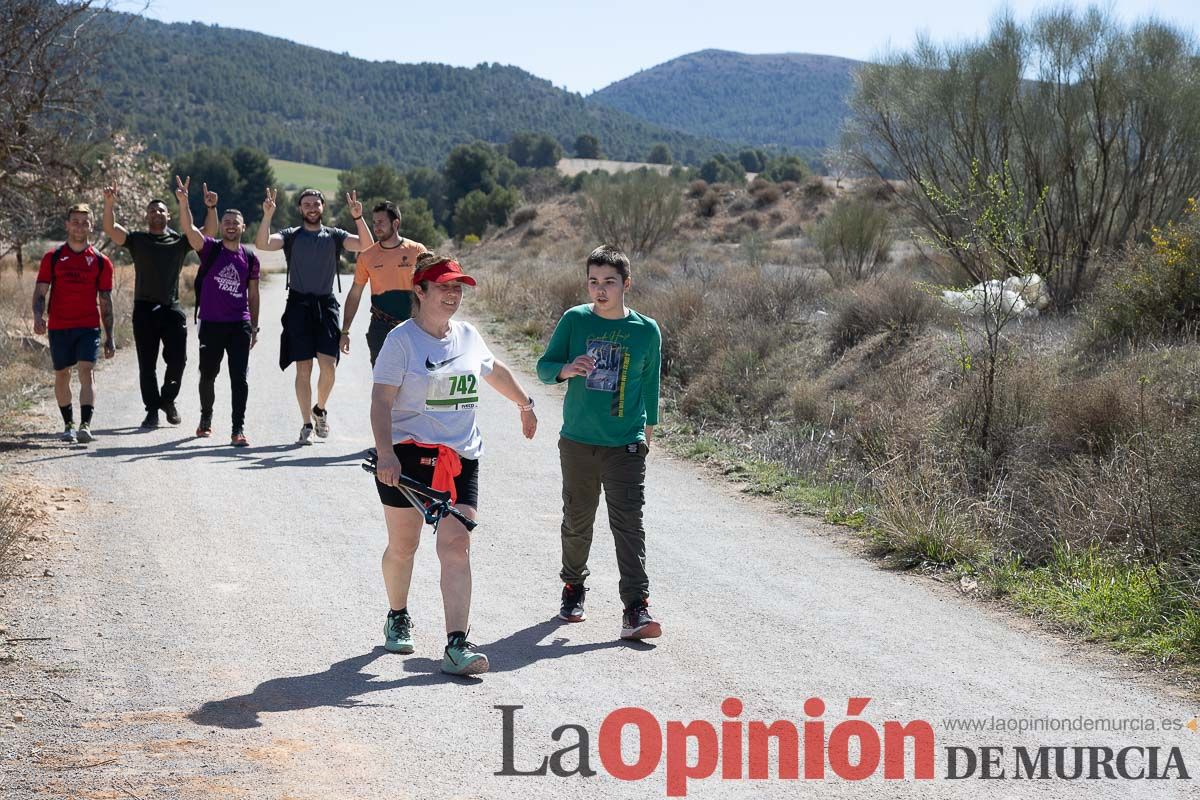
pixel 572 603
pixel 636 622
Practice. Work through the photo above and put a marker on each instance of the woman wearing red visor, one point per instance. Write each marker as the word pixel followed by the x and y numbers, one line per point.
pixel 427 380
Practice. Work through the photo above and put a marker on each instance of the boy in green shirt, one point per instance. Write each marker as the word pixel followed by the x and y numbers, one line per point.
pixel 610 355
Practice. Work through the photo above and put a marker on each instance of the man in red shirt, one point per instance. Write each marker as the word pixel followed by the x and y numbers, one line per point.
pixel 75 275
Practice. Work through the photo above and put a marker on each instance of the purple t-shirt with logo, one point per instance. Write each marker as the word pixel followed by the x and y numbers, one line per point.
pixel 223 295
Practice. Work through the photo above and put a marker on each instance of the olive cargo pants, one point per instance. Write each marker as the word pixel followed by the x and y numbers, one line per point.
pixel 621 472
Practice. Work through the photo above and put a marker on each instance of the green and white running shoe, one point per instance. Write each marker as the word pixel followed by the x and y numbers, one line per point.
pixel 397 633
pixel 84 434
pixel 461 657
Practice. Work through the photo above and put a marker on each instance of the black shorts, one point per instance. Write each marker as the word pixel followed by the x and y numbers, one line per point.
pixel 417 463
pixel 69 346
pixel 310 327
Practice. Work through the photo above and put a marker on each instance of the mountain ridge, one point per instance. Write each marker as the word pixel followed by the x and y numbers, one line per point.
pixel 774 100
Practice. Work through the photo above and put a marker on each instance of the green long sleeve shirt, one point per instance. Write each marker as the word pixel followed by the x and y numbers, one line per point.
pixel 613 405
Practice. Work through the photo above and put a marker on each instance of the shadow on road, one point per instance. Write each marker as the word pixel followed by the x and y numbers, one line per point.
pixel 178 450
pixel 520 649
pixel 336 687
pixel 344 681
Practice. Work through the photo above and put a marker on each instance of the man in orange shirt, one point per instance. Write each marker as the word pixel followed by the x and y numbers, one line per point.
pixel 388 266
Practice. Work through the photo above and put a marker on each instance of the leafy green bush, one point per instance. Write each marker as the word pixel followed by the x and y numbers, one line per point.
pixel 722 169
pixel 477 210
pixel 787 168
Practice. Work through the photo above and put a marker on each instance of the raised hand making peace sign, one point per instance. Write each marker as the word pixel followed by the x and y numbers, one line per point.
pixel 210 198
pixel 269 203
pixel 352 203
pixel 182 187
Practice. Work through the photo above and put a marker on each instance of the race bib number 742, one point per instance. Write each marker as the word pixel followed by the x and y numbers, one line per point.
pixel 452 393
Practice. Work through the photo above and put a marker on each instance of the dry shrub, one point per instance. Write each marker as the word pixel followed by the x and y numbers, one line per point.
pixel 736 382
pixel 922 514
pixel 888 303
pixel 14 519
pixel 811 402
pixel 753 221
pixel 697 188
pixel 854 239
pixel 709 203
pixel 764 192
pixel 1152 292
pixel 1094 415
pixel 741 204
pixel 876 190
pixel 637 211
pixel 533 294
pixel 815 189
pixel 760 298
pixel 524 214
pixel 674 310
pixel 787 187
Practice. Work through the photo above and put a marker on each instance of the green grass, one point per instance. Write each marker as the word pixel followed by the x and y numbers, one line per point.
pixel 294 175
pixel 1128 605
pixel 834 502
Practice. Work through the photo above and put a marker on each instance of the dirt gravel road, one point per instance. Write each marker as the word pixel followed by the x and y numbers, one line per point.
pixel 212 624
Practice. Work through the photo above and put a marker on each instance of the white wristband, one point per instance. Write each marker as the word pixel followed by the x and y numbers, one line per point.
pixel 528 407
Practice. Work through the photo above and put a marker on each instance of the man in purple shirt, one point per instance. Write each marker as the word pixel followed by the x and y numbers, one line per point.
pixel 227 293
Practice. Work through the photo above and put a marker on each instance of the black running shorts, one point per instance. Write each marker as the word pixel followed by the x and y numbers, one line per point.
pixel 417 463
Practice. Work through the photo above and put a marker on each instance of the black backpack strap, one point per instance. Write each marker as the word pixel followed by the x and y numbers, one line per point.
pixel 287 258
pixel 337 262
pixel 53 266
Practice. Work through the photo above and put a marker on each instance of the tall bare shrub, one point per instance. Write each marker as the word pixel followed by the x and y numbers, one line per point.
pixel 636 211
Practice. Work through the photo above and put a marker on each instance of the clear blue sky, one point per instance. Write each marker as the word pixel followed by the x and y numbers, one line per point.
pixel 584 46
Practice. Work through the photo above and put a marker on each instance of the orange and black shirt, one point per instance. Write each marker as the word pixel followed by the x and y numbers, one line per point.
pixel 389 270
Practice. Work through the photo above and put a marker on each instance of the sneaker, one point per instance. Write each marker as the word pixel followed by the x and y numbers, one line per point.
pixel 68 435
pixel 397 633
pixel 636 622
pixel 321 422
pixel 84 434
pixel 172 413
pixel 238 439
pixel 204 429
pixel 306 435
pixel 461 658
pixel 572 603
pixel 151 420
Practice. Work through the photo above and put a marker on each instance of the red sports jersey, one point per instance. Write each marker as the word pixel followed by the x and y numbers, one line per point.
pixel 75 279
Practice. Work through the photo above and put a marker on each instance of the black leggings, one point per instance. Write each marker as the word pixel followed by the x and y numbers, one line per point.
pixel 217 339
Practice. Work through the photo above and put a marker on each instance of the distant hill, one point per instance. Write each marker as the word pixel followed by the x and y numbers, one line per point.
pixel 790 100
pixel 182 86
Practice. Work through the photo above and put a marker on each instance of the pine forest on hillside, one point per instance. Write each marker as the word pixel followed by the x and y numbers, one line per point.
pixel 180 87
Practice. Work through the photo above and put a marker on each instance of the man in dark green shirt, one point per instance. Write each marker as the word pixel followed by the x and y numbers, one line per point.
pixel 158 254
pixel 611 356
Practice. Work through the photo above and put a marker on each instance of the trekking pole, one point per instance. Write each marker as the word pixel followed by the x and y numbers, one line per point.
pixel 434 505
